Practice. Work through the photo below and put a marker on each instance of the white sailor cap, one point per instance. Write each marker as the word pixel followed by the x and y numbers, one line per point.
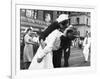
pixel 62 17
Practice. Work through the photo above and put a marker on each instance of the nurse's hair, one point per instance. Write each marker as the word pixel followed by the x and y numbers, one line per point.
pixel 64 23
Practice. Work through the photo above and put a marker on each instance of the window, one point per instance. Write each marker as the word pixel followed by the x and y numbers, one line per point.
pixel 78 33
pixel 22 12
pixel 77 20
pixel 87 21
pixel 48 16
pixel 31 14
pixel 58 13
pixel 69 21
pixel 28 13
pixel 35 14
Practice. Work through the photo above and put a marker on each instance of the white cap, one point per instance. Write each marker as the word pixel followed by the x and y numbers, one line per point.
pixel 62 17
pixel 70 26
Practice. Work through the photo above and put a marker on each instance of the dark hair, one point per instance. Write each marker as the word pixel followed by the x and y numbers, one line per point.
pixel 64 22
pixel 70 31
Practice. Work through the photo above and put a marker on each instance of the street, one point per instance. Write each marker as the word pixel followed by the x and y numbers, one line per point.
pixel 76 58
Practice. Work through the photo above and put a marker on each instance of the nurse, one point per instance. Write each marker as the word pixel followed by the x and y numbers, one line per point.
pixel 50 41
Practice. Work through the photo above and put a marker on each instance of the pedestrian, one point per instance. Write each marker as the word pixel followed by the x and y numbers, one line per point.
pixel 80 43
pixel 86 47
pixel 28 48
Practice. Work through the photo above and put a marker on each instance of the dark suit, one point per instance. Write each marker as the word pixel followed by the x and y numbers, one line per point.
pixel 57 58
pixel 57 55
pixel 66 43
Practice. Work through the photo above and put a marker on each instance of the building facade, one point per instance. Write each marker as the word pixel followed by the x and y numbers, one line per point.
pixel 81 21
pixel 40 19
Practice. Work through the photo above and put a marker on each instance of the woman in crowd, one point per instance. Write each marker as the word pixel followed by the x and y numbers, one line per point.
pixel 28 48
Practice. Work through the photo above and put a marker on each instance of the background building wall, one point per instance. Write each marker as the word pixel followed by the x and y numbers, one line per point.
pixel 80 20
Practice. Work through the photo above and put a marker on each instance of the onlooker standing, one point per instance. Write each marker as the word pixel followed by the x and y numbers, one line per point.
pixel 28 49
pixel 80 43
pixel 86 44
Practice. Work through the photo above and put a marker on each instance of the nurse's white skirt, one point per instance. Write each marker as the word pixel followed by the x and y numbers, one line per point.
pixel 46 62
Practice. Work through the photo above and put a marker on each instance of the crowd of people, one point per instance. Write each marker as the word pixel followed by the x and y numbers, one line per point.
pixel 29 46
pixel 45 50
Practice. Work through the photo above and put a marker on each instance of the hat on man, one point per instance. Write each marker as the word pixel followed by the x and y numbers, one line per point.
pixel 62 17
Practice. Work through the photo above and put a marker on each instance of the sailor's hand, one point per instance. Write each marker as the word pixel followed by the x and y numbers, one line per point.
pixel 67 49
pixel 43 44
pixel 39 60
